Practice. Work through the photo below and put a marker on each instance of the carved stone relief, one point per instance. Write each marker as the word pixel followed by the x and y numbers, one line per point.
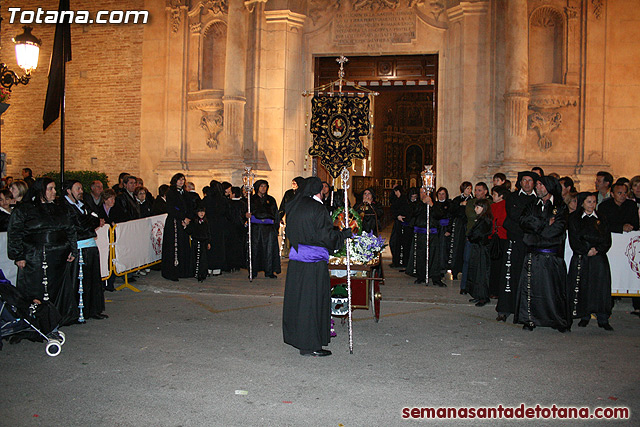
pixel 323 11
pixel 212 122
pixel 597 7
pixel 544 124
pixel 375 5
pixel 174 6
pixel 215 6
pixel 546 17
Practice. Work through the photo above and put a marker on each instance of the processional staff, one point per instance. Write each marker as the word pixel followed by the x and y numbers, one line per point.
pixel 247 180
pixel 429 184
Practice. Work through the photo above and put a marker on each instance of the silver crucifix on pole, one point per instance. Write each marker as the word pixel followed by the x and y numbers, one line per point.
pixel 247 180
pixel 429 184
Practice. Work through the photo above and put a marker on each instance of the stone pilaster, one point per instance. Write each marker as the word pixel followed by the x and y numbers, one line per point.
pixel 517 84
pixel 234 98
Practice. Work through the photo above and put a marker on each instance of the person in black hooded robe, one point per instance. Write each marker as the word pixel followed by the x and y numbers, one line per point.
pixel 42 241
pixel 176 251
pixel 282 211
pixel 217 206
pixel 306 313
pixel 265 222
pixel 589 278
pixel 398 242
pixel 543 297
pixel 237 233
pixel 417 263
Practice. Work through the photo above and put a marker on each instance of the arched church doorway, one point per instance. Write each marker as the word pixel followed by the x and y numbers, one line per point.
pixel 404 117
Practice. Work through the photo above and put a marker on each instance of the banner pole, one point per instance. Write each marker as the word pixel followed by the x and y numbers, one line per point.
pixel 345 178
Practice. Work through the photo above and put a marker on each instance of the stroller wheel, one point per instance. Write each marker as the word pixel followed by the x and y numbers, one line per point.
pixel 62 336
pixel 53 348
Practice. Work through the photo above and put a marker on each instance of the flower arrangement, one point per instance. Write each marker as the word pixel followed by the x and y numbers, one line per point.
pixel 366 247
pixel 363 249
pixel 4 95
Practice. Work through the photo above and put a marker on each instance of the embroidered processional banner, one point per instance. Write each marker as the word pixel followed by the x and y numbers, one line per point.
pixel 337 124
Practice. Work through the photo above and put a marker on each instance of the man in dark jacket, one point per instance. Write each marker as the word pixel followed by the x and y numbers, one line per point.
pixel 126 207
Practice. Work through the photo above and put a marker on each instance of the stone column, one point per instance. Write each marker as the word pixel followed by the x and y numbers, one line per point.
pixel 234 98
pixel 517 84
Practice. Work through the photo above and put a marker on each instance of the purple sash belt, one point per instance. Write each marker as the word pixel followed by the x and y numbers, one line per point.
pixel 307 253
pixel 405 224
pixel 266 221
pixel 545 251
pixel 444 222
pixel 420 230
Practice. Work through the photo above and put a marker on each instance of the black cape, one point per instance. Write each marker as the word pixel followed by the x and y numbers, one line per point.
pixel 29 223
pixel 589 278
pixel 306 312
pixel 513 257
pixel 92 289
pixel 543 297
pixel 176 252
pixel 265 254
pixel 402 232
pixel 479 261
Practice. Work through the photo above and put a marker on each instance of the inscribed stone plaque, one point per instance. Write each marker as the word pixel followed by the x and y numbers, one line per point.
pixel 374 29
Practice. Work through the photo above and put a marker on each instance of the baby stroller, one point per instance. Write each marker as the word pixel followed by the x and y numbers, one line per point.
pixel 19 317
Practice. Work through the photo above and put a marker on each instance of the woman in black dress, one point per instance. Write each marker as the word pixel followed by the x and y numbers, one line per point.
pixel 589 279
pixel 42 242
pixel 370 212
pixel 176 253
pixel 458 228
pixel 479 261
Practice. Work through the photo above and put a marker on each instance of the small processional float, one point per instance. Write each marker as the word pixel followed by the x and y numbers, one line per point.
pixel 339 120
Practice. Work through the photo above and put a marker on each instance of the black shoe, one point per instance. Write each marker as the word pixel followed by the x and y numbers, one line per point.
pixel 463 292
pixel 402 270
pixel 99 316
pixel 271 276
pixel 583 323
pixel 474 300
pixel 605 326
pixel 315 353
pixel 419 281
pixel 501 318
pixel 481 303
pixel 529 326
pixel 439 282
pixel 562 330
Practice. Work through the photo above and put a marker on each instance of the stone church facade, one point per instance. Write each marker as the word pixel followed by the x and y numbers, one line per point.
pixel 210 86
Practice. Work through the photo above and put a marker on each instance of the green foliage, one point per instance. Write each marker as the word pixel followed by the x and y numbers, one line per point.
pixel 85 177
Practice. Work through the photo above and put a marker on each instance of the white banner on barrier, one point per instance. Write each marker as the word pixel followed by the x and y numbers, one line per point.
pixel 138 242
pixel 624 259
pixel 8 267
pixel 103 246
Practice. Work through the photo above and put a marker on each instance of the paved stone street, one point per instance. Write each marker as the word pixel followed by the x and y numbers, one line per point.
pixel 190 354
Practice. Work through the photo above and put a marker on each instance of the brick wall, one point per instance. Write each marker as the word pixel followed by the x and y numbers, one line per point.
pixel 103 99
